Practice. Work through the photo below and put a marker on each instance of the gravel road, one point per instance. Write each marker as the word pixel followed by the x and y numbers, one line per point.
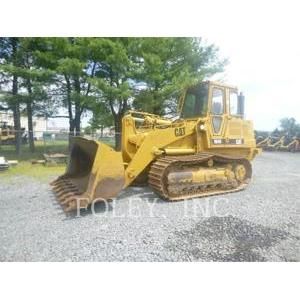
pixel 261 223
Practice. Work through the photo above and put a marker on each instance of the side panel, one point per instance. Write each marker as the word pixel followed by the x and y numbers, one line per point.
pixel 153 142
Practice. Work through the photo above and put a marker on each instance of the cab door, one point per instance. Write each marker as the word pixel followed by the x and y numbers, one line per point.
pixel 234 119
pixel 216 112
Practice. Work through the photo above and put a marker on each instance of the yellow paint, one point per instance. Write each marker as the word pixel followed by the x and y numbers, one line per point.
pixel 209 175
pixel 178 151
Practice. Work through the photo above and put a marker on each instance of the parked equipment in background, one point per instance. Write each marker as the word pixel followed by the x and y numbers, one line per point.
pixel 206 151
pixel 51 159
pixel 263 142
pixel 7 134
pixel 55 159
pixel 292 145
pixel 276 143
pixel 4 165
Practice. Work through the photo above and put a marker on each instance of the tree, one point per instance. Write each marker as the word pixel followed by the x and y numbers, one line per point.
pixel 112 77
pixel 167 66
pixel 9 69
pixel 68 59
pixel 102 117
pixel 33 79
pixel 290 127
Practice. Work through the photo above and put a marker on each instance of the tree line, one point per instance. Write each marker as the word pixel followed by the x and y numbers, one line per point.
pixel 288 128
pixel 105 76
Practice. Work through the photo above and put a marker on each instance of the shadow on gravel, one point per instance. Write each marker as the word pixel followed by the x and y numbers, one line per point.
pixel 143 192
pixel 225 239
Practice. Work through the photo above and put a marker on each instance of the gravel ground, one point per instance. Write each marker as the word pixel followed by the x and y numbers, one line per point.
pixel 259 224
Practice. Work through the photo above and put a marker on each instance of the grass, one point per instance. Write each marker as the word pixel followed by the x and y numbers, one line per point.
pixel 26 168
pixel 39 172
pixel 8 151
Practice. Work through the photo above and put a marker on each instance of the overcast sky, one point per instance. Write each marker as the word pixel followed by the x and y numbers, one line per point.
pixel 263 46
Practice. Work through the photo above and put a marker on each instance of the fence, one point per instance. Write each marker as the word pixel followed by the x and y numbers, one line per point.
pixel 48 142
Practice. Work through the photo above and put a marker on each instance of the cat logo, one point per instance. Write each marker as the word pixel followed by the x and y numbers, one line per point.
pixel 179 131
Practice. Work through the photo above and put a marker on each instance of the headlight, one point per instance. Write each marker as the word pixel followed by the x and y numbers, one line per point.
pixel 202 127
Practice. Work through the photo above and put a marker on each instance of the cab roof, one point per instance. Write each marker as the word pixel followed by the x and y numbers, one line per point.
pixel 221 84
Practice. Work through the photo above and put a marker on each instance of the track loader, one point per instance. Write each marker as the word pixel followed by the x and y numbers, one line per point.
pixel 206 151
pixel 7 134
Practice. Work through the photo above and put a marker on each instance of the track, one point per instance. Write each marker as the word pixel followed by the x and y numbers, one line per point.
pixel 161 167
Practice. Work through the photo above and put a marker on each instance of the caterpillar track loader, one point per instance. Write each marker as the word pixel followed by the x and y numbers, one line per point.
pixel 7 134
pixel 206 151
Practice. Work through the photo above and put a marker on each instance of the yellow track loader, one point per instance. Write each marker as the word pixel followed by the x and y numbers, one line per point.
pixel 7 134
pixel 206 151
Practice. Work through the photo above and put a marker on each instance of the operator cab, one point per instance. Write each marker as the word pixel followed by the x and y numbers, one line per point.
pixel 209 97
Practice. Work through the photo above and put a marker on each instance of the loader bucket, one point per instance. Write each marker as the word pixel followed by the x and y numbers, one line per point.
pixel 95 172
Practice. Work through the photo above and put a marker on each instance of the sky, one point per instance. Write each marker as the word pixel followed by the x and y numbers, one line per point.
pixel 263 48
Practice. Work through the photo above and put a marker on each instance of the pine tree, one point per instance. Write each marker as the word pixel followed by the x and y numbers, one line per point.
pixel 10 70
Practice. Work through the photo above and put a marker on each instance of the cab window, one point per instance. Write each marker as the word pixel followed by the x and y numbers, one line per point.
pixel 217 101
pixel 195 102
pixel 233 103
